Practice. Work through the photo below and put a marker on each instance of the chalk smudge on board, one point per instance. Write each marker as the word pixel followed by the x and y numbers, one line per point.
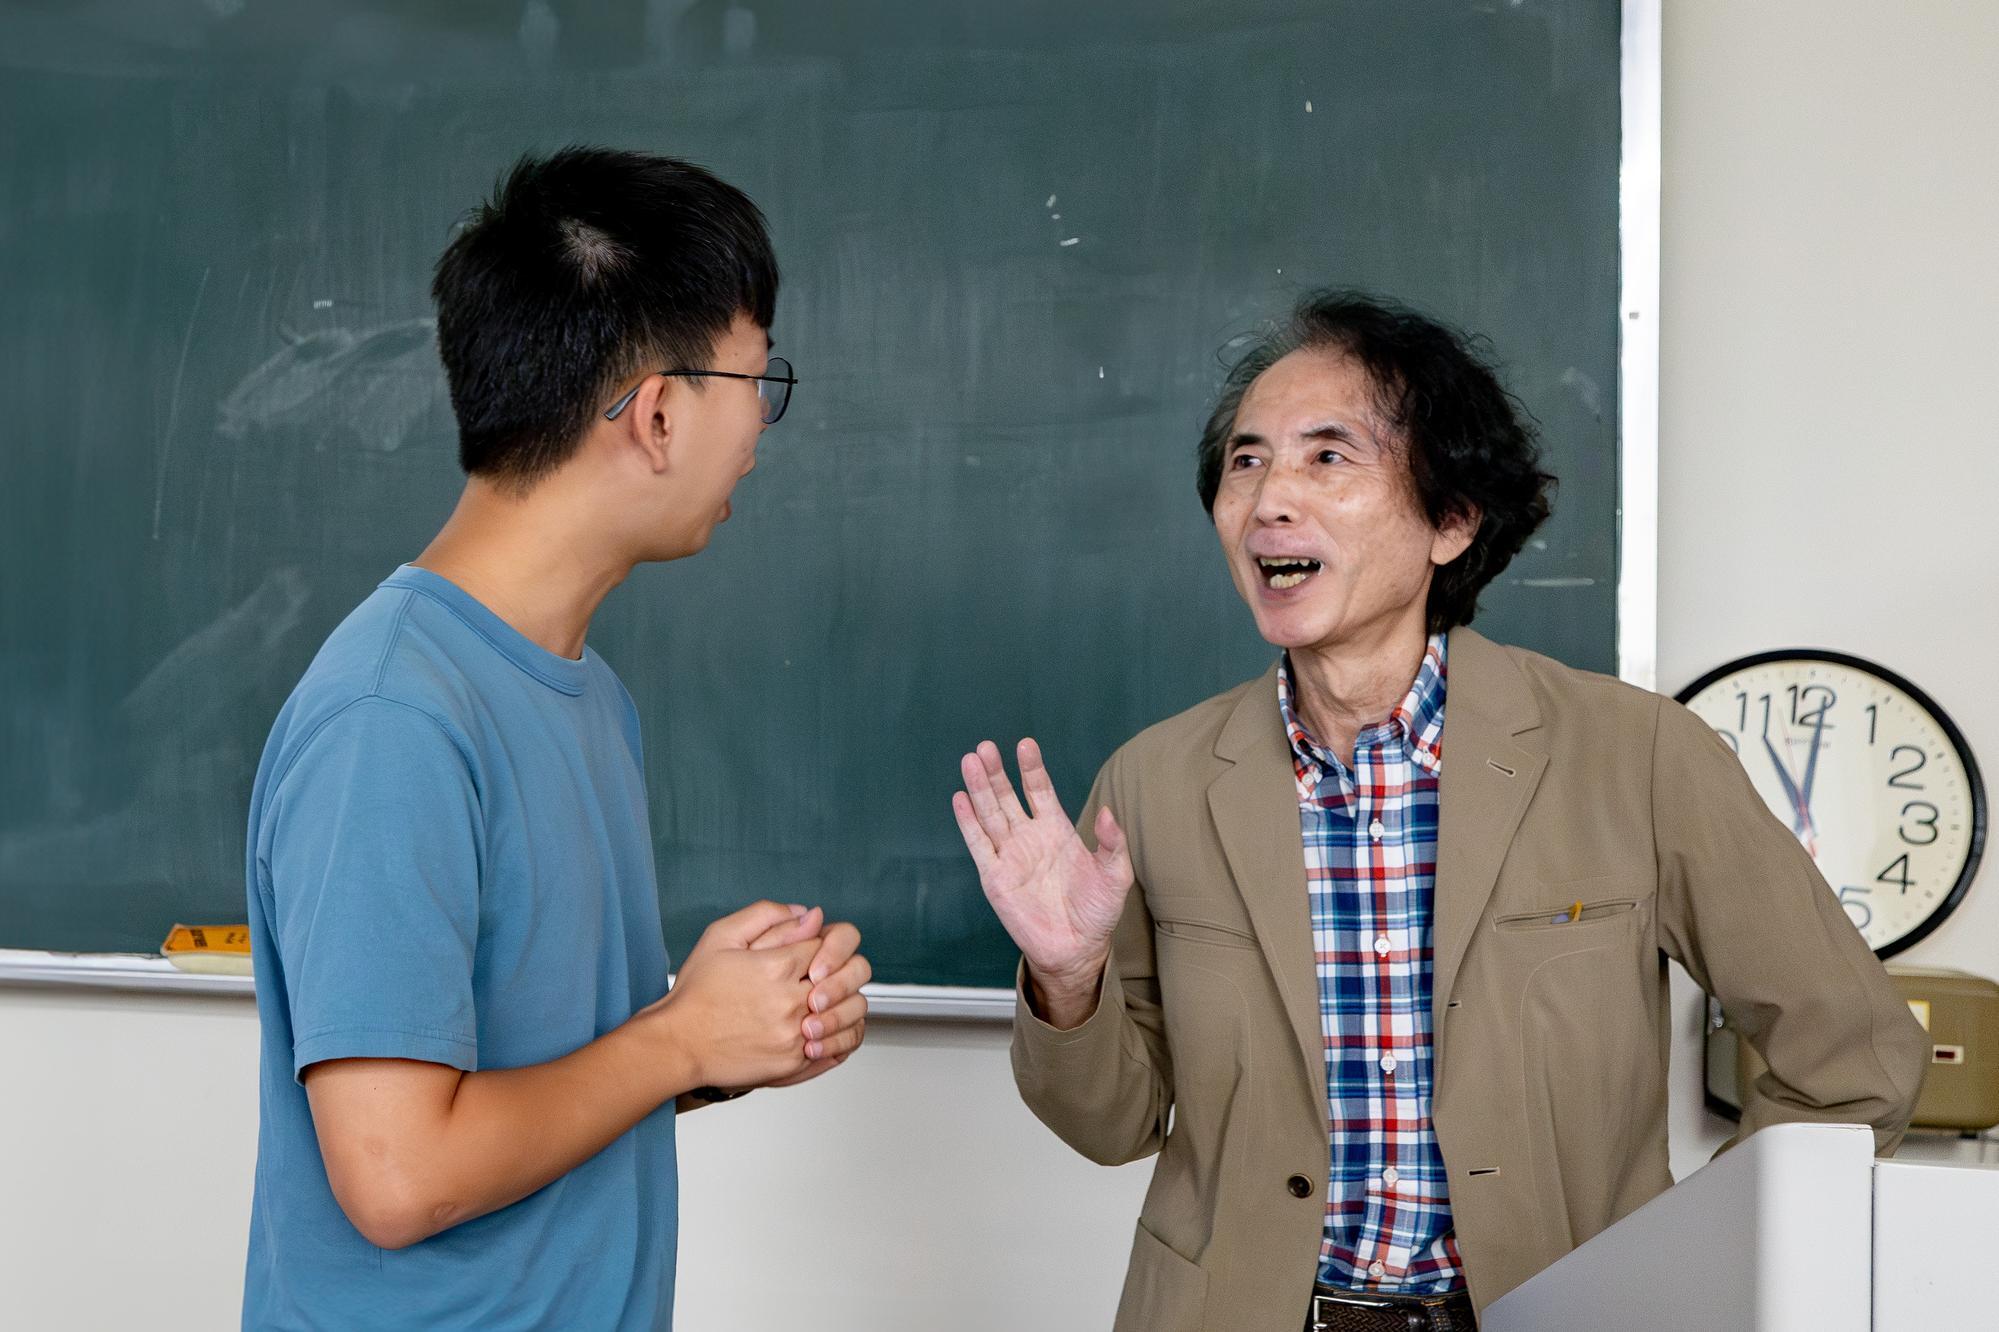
pixel 739 30
pixel 540 33
pixel 189 690
pixel 372 386
pixel 1585 389
pixel 178 725
pixel 173 402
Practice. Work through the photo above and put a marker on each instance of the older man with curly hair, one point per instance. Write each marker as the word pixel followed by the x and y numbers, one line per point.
pixel 1390 999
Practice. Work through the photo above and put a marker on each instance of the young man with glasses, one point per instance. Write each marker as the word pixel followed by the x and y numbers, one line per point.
pixel 471 1061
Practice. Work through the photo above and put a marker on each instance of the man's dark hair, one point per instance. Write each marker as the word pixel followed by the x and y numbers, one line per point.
pixel 1469 443
pixel 587 267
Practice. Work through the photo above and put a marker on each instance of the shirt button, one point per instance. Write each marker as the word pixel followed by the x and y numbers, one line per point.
pixel 1390 1175
pixel 1381 946
pixel 1376 1268
pixel 1375 830
pixel 1300 1186
pixel 1388 1063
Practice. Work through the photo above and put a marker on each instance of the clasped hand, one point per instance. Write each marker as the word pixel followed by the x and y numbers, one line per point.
pixel 772 996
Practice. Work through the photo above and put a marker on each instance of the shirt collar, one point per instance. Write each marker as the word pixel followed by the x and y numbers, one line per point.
pixel 1417 723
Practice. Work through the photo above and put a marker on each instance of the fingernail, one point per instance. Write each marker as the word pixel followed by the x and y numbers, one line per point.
pixel 812 1049
pixel 817 974
pixel 813 1029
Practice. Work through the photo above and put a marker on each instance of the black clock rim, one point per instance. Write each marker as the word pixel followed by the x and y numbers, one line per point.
pixel 1976 850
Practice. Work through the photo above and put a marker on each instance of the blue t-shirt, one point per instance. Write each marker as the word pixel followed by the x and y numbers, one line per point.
pixel 449 860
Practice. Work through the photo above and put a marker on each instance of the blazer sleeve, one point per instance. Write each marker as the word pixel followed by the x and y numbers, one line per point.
pixel 1744 909
pixel 1106 1086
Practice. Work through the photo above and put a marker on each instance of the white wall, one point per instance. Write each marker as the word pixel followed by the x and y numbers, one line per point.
pixel 1831 285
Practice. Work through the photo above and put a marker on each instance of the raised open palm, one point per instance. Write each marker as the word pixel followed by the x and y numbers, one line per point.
pixel 1058 899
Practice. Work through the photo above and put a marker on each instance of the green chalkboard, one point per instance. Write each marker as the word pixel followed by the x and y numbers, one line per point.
pixel 1014 238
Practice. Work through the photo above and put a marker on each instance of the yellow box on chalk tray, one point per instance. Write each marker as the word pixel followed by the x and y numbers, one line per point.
pixel 214 950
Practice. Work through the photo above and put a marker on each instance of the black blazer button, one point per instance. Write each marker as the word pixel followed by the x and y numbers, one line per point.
pixel 1300 1186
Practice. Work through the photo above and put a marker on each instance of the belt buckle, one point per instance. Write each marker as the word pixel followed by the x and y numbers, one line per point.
pixel 1425 1305
pixel 1321 1304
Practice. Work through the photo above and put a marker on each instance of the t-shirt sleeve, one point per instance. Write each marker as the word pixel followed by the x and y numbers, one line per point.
pixel 374 860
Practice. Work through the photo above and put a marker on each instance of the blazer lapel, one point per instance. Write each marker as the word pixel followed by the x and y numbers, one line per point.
pixel 1488 778
pixel 1255 807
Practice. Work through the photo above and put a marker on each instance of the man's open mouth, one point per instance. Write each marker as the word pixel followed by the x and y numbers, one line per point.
pixel 1282 571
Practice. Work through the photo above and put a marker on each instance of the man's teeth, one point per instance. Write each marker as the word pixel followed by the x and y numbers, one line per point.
pixel 1284 571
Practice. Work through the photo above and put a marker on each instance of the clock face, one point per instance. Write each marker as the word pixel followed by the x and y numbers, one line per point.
pixel 1868 773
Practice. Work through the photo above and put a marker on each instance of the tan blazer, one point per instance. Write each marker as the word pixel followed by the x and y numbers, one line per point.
pixel 1551 1040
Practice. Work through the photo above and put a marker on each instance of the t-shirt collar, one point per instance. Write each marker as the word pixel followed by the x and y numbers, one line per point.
pixel 557 672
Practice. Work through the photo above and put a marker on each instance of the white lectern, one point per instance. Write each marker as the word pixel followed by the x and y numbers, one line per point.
pixel 1798 1229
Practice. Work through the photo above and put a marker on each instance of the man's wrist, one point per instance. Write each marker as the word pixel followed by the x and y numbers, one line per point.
pixel 1077 978
pixel 1066 998
pixel 671 1053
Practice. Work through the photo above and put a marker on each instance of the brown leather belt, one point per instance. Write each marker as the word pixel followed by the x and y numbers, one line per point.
pixel 1336 1310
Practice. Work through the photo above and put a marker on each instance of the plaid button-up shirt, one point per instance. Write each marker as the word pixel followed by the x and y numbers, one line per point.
pixel 1371 868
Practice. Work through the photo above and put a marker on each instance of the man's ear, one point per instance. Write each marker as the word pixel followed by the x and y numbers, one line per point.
pixel 647 423
pixel 1455 535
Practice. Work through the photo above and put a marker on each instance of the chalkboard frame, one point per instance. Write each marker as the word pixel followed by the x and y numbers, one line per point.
pixel 1640 76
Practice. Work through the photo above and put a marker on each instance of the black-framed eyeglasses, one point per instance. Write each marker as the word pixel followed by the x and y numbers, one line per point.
pixel 773 388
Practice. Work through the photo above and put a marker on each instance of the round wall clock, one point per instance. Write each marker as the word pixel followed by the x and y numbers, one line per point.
pixel 1871 775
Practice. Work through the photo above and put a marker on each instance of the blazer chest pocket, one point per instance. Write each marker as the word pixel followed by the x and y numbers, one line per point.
pixel 1566 916
pixel 1195 920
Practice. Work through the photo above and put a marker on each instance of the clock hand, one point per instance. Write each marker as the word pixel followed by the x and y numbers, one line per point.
pixel 1810 831
pixel 1812 767
pixel 1800 818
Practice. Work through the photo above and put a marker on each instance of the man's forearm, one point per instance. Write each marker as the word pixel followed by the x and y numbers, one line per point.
pixel 498 1135
pixel 511 1131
